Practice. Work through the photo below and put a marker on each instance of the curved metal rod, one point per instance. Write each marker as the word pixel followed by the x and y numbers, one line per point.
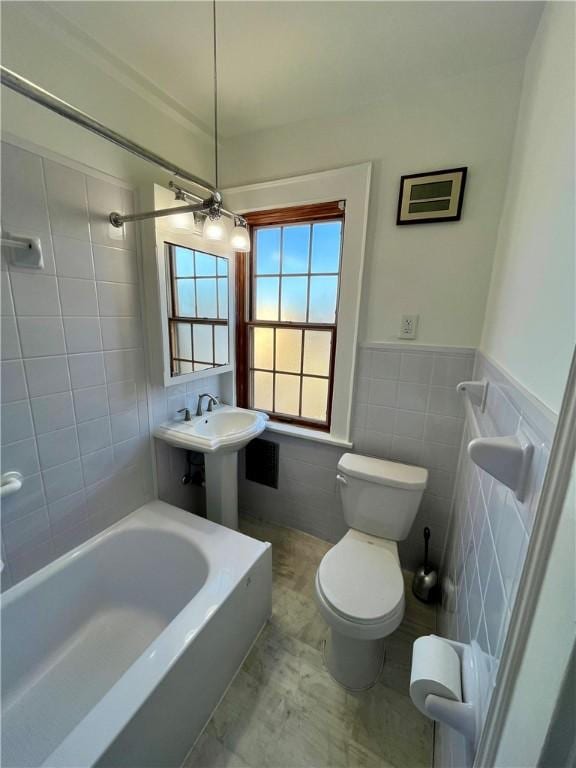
pixel 118 219
pixel 211 205
pixel 32 91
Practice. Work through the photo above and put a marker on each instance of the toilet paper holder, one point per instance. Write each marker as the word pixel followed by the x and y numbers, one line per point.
pixel 463 716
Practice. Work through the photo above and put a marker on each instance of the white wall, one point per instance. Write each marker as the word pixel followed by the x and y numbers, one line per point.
pixel 37 46
pixel 441 271
pixel 530 317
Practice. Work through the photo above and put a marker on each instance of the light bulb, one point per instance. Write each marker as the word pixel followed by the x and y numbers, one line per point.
pixel 182 222
pixel 214 229
pixel 240 239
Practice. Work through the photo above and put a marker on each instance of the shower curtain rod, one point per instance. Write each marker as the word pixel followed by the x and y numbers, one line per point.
pixel 32 91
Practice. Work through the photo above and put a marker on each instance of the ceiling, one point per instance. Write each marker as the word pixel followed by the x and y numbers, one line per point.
pixel 281 62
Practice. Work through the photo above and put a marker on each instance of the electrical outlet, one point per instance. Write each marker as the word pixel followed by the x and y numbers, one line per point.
pixel 408 326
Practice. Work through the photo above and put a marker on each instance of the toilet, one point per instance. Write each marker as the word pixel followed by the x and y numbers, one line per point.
pixel 359 584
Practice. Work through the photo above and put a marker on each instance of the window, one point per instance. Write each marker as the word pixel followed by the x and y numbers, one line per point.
pixel 197 310
pixel 287 325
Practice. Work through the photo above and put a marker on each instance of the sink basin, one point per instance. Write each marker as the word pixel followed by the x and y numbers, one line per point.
pixel 225 429
pixel 219 435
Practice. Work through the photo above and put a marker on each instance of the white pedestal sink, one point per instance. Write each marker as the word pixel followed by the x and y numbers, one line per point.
pixel 219 435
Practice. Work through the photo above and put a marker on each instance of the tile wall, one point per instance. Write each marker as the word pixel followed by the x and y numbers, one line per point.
pixel 307 497
pixel 488 536
pixel 74 398
pixel 171 463
pixel 406 409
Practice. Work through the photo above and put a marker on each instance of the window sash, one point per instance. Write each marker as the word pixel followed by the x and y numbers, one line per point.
pixel 175 319
pixel 301 374
pixel 173 323
pixel 245 306
pixel 280 275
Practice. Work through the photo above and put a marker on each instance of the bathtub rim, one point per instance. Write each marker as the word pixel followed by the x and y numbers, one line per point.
pixel 92 736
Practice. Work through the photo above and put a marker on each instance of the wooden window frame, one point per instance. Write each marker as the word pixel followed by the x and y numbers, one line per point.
pixel 175 319
pixel 245 275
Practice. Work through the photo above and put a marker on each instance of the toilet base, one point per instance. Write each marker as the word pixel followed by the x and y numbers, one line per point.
pixel 355 664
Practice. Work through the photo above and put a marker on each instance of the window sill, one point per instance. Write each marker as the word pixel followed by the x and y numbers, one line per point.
pixel 307 434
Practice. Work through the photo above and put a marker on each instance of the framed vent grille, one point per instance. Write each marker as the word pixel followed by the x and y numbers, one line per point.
pixel 262 462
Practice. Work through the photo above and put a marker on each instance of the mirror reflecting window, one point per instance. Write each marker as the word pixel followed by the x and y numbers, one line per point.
pixel 197 309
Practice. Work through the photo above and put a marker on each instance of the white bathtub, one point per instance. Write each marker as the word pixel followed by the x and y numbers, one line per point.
pixel 117 653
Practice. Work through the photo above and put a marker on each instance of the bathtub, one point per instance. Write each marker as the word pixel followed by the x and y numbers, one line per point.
pixel 117 653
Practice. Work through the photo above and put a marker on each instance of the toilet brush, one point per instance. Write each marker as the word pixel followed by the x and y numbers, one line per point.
pixel 425 584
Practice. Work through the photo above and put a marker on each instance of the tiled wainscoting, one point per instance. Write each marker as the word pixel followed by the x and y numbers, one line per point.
pixel 74 401
pixel 306 498
pixel 406 409
pixel 488 535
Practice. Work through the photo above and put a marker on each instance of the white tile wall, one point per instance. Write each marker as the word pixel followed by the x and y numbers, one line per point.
pixel 74 409
pixel 171 463
pixel 488 535
pixel 406 410
pixel 307 497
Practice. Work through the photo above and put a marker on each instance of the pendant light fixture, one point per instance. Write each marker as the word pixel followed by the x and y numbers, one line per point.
pixel 217 219
pixel 182 222
pixel 240 237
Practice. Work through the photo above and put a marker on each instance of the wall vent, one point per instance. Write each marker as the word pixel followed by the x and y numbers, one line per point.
pixel 262 462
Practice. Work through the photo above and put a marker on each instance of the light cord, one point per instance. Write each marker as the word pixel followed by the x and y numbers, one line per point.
pixel 215 96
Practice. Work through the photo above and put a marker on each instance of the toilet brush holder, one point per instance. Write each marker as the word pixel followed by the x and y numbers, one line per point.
pixel 445 683
pixel 425 584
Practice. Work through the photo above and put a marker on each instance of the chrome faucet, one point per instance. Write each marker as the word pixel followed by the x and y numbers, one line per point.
pixel 213 401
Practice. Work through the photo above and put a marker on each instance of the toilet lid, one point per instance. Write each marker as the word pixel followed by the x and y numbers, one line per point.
pixel 361 580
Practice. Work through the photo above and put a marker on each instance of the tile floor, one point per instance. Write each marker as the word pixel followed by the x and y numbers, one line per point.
pixel 283 709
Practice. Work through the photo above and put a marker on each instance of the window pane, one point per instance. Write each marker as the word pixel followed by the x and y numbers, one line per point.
pixel 184 262
pixel 266 298
pixel 222 266
pixel 314 398
pixel 323 294
pixel 205 264
pixel 288 350
pixel 287 394
pixel 202 366
pixel 185 298
pixel 263 351
pixel 295 249
pixel 268 251
pixel 222 297
pixel 262 390
pixel 203 344
pixel 221 344
pixel 206 296
pixel 294 297
pixel 326 238
pixel 183 341
pixel 317 352
pixel 181 366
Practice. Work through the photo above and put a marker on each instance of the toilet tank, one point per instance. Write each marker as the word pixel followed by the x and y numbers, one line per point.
pixel 380 497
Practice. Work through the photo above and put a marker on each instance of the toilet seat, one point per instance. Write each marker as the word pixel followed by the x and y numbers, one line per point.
pixel 360 585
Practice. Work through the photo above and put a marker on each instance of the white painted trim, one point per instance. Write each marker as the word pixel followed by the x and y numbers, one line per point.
pixel 403 346
pixel 294 181
pixel 550 507
pixel 352 184
pixel 155 234
pixel 307 434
